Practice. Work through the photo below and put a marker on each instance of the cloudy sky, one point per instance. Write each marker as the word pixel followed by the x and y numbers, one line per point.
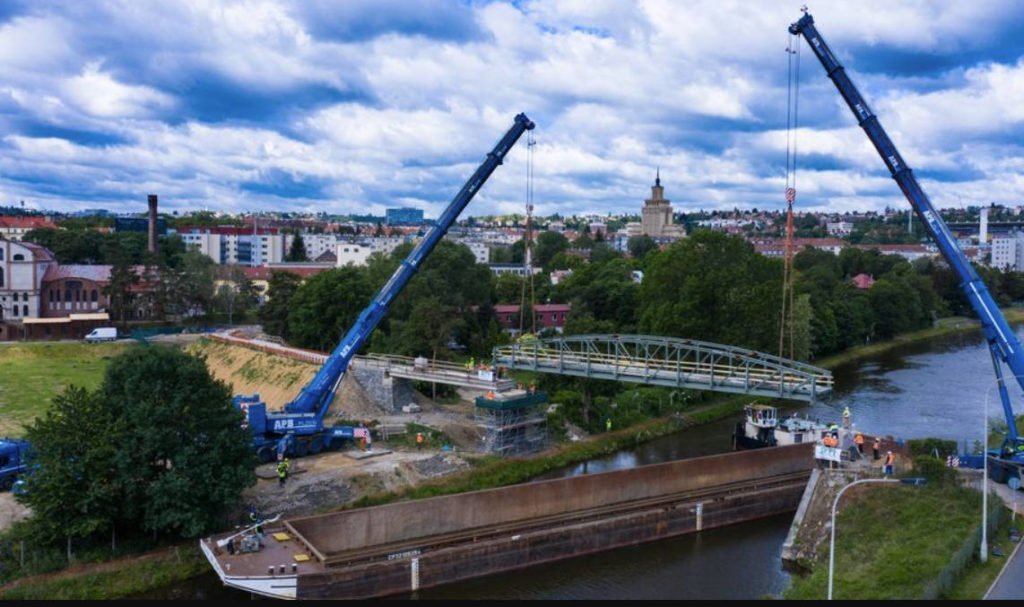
pixel 355 106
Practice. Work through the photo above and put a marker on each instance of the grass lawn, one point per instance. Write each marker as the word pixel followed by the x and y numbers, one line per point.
pixel 892 541
pixel 31 374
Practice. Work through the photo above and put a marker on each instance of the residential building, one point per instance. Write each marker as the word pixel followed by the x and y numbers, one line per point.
pixel 14 227
pixel 548 316
pixel 230 245
pixel 839 228
pixel 355 253
pixel 1008 252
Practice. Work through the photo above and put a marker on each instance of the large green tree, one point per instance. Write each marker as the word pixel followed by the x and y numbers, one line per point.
pixel 326 306
pixel 158 449
pixel 713 287
pixel 184 458
pixel 274 313
pixel 76 488
pixel 297 252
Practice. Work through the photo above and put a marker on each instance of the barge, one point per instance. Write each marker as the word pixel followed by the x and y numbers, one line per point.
pixel 402 547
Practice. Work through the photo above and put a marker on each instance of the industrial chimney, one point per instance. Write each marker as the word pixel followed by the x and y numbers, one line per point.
pixel 152 224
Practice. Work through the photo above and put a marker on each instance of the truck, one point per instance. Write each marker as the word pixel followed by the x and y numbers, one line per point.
pixel 1003 463
pixel 299 429
pixel 13 453
pixel 102 334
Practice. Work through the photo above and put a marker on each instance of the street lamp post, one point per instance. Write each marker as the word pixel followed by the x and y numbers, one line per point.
pixel 835 502
pixel 1000 381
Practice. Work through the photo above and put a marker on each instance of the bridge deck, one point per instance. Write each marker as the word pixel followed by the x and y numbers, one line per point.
pixel 440 372
pixel 669 362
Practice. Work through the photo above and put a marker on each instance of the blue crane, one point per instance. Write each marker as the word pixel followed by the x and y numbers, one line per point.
pixel 1003 344
pixel 299 429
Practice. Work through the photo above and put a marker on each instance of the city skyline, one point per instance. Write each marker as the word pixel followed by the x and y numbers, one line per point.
pixel 361 106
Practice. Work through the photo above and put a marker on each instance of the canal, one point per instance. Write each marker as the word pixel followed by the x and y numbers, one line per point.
pixel 936 387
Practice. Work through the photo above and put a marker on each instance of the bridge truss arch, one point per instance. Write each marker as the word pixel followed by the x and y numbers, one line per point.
pixel 670 362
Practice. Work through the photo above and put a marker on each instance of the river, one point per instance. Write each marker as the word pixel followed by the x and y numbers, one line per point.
pixel 930 388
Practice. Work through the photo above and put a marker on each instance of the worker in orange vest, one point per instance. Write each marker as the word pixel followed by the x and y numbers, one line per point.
pixel 419 440
pixel 890 459
pixel 858 440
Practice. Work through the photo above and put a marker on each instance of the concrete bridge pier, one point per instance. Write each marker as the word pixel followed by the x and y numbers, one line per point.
pixel 391 393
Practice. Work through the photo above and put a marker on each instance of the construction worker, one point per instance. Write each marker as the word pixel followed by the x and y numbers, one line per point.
pixel 419 440
pixel 875 448
pixel 256 521
pixel 282 471
pixel 890 459
pixel 858 440
pixel 608 425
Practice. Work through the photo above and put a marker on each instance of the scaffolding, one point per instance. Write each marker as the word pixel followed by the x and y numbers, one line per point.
pixel 514 422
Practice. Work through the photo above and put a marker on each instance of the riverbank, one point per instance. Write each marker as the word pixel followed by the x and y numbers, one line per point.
pixel 489 471
pixel 944 326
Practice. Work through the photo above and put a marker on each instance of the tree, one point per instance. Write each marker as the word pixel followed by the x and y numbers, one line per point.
pixel 326 306
pixel 119 290
pixel 196 283
pixel 235 292
pixel 548 245
pixel 639 246
pixel 184 458
pixel 274 313
pixel 713 287
pixel 297 252
pixel 157 449
pixel 75 488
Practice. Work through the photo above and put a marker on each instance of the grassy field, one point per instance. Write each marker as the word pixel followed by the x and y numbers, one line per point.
pixel 892 541
pixel 31 374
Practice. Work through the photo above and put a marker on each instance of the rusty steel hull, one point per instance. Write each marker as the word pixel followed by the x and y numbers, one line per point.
pixel 402 547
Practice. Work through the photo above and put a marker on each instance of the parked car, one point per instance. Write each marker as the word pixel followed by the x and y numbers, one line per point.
pixel 102 334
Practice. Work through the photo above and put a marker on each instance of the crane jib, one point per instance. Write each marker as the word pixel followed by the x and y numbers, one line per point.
pixel 318 394
pixel 997 331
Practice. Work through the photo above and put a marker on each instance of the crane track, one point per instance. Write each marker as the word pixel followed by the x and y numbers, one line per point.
pixel 589 515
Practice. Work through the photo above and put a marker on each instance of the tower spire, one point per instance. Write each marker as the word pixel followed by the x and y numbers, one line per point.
pixel 657 178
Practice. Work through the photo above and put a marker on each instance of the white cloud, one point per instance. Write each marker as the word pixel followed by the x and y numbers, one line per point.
pixel 101 95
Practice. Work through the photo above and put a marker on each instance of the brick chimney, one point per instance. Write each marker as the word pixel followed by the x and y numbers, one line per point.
pixel 152 224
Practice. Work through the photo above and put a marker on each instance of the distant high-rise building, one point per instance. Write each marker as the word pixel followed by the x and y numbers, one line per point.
pixel 656 216
pixel 405 216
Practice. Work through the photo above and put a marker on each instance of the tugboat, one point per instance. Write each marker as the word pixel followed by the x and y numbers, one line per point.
pixel 764 429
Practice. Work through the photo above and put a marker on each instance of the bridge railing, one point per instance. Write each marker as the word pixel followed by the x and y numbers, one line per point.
pixel 669 362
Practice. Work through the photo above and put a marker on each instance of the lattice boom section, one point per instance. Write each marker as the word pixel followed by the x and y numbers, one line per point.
pixel 669 362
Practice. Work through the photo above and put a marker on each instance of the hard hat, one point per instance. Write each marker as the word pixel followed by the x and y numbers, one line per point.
pixel 889 452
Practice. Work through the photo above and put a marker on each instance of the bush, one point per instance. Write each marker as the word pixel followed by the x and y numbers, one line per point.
pixel 935 470
pixel 927 447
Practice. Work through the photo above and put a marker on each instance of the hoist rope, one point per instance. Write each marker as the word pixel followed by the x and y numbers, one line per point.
pixel 792 107
pixel 528 245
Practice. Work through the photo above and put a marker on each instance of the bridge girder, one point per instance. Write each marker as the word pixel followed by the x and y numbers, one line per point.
pixel 670 362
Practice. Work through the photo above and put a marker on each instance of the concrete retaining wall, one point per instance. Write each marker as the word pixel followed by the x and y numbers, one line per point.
pixel 406 521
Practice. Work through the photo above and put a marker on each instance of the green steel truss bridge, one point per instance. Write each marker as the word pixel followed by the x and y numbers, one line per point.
pixel 666 361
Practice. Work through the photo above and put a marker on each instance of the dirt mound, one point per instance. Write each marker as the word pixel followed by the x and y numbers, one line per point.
pixel 279 379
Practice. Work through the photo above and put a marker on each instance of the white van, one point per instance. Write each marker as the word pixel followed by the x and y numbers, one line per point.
pixel 102 334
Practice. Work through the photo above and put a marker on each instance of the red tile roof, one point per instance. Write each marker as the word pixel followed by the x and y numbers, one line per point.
pixel 25 223
pixel 95 273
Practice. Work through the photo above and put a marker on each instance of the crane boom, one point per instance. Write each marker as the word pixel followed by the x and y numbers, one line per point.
pixel 1002 341
pixel 316 397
